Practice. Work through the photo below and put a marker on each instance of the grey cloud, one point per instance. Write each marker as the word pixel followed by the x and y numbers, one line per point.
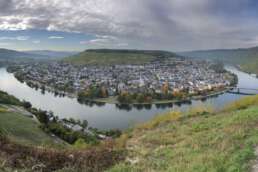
pixel 152 24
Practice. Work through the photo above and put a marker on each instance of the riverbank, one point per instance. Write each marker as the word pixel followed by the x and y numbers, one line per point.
pixel 226 138
pixel 103 115
pixel 113 99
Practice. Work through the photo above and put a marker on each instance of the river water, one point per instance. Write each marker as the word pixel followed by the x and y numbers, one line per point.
pixel 109 116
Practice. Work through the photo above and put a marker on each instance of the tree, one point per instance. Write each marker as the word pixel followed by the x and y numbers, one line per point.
pixel 26 105
pixel 165 88
pixel 124 97
pixel 103 92
pixel 140 98
pixel 84 124
pixel 43 117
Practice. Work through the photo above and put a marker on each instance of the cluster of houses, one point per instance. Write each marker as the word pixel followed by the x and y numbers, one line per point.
pixel 177 73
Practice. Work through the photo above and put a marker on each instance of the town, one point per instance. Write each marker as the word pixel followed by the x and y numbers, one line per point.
pixel 168 78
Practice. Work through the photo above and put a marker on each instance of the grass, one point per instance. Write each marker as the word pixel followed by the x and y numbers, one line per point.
pixel 25 130
pixel 2 109
pixel 242 103
pixel 159 119
pixel 111 57
pixel 251 67
pixel 201 141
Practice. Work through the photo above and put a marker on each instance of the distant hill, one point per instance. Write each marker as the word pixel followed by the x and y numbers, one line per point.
pixel 6 54
pixel 52 54
pixel 247 58
pixel 113 56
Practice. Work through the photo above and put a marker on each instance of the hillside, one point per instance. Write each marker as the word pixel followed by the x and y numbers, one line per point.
pixel 198 140
pixel 109 56
pixel 6 54
pixel 247 58
pixel 201 140
pixel 52 54
pixel 19 125
pixel 24 130
pixel 24 146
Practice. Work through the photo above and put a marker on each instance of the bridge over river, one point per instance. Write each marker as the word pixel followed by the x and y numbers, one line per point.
pixel 243 91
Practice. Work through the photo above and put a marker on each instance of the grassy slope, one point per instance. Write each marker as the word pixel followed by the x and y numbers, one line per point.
pixel 24 130
pixel 27 146
pixel 110 57
pixel 222 141
pixel 251 67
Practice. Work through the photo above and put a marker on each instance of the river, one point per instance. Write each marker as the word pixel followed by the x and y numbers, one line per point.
pixel 109 116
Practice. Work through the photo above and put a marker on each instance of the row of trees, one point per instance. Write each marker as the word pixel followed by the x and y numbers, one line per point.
pixel 126 97
pixel 64 128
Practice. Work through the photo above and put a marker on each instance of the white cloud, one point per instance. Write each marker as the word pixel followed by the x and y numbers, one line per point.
pixel 36 41
pixel 55 37
pixel 18 38
pixel 4 43
pixel 105 41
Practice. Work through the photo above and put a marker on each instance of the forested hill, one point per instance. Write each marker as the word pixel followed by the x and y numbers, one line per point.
pixel 247 58
pixel 113 56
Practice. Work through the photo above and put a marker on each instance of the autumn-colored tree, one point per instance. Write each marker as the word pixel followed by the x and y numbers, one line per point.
pixel 165 88
pixel 103 92
pixel 178 94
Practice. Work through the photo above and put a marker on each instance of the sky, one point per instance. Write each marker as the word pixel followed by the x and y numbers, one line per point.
pixel 174 25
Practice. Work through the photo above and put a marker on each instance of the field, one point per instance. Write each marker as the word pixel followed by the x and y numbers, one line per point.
pixel 111 57
pixel 203 141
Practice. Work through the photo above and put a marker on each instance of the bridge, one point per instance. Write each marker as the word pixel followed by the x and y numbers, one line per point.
pixel 242 91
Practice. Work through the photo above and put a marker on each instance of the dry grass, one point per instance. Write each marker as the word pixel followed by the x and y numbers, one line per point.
pixel 160 119
pixel 47 160
pixel 200 110
pixel 242 103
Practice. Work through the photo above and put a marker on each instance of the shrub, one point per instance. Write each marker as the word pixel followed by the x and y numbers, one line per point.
pixel 80 144
pixel 200 110
pixel 121 141
pixel 3 110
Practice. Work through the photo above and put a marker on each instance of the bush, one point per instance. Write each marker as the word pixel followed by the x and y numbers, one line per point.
pixel 26 105
pixel 3 110
pixel 8 99
pixel 80 144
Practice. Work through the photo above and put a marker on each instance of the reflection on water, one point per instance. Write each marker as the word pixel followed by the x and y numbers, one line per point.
pixel 107 116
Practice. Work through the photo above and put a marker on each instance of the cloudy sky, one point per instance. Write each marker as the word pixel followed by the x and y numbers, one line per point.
pixel 175 25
